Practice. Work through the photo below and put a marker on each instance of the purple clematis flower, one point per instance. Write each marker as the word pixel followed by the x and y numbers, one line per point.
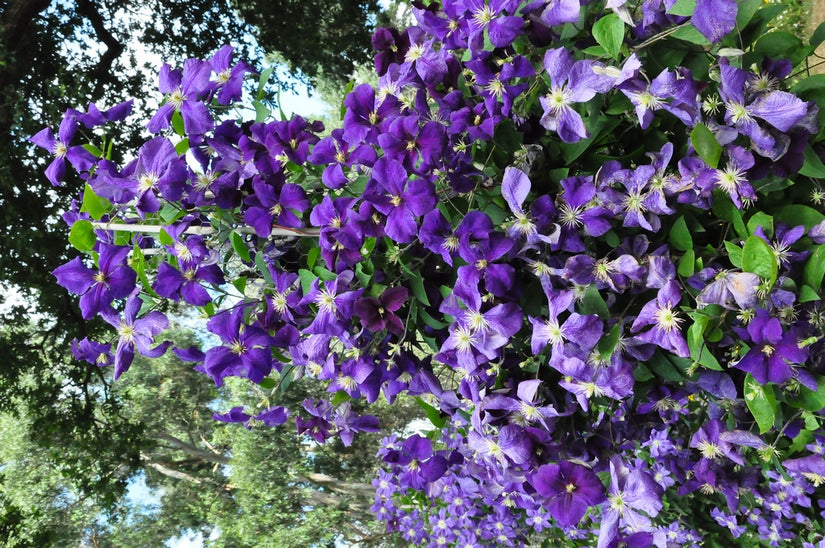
pixel 665 332
pixel 773 350
pixel 377 313
pixel 59 147
pixel 134 332
pixel 633 498
pixel 400 198
pixel 245 352
pixel 114 279
pixel 570 82
pixel 714 18
pixel 334 302
pixel 185 283
pixel 229 79
pixel 275 205
pixel 184 91
pixel 583 331
pixel 569 489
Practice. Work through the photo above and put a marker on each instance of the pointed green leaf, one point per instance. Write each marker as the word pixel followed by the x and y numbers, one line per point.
pixel 815 268
pixel 680 236
pixel 687 264
pixel 609 33
pixel 761 402
pixel 759 258
pixel 706 145
pixel 240 247
pixel 93 204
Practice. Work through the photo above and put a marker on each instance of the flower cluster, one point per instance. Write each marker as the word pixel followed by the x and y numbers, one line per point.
pixel 541 225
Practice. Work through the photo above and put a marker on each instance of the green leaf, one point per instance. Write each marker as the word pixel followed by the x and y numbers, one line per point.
pixel 93 204
pixel 312 257
pixel 662 367
pixel 761 402
pixel 808 399
pixel 690 34
pixel 307 279
pixel 800 441
pixel 608 343
pixel 724 209
pixel 760 218
pixel 177 123
pixel 340 397
pixel 182 147
pixel 240 284
pixel 430 321
pixel 706 145
pixel 262 111
pixel 818 36
pixel 815 268
pixel 593 303
pixel 263 268
pixel 609 33
pixel 687 264
pixel 240 247
pixel 264 78
pixel 164 238
pixel 417 285
pixel 268 383
pixel 432 413
pixel 684 8
pixel 734 254
pixel 808 294
pixel 680 236
pixel 170 213
pixel 759 258
pixel 82 235
pixel 746 10
pixel 796 214
pixel 813 166
pixel 139 265
pixel 782 44
pixel 93 150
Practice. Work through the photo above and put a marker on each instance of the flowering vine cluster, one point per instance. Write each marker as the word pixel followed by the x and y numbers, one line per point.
pixel 587 238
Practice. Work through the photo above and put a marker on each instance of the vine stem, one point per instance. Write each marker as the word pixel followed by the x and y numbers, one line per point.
pixel 204 230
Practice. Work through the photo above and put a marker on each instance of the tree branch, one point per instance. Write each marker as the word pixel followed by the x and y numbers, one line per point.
pixel 103 70
pixel 190 449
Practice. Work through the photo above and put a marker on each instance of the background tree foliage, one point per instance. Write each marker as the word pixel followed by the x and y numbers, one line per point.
pixel 71 440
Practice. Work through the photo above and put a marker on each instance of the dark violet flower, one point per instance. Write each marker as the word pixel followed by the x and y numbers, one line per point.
pixel 490 17
pixel 348 423
pixel 318 426
pixel 569 489
pixel 184 90
pixel 228 78
pixel 377 313
pixel 186 283
pixel 660 313
pixel 402 199
pixel 60 148
pixel 772 352
pixel 236 414
pixel 95 117
pixel 334 304
pixel 114 279
pixel 525 408
pixel 515 187
pixel 95 353
pixel 366 117
pixel 134 332
pixel 275 204
pixel 337 154
pixel 245 351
